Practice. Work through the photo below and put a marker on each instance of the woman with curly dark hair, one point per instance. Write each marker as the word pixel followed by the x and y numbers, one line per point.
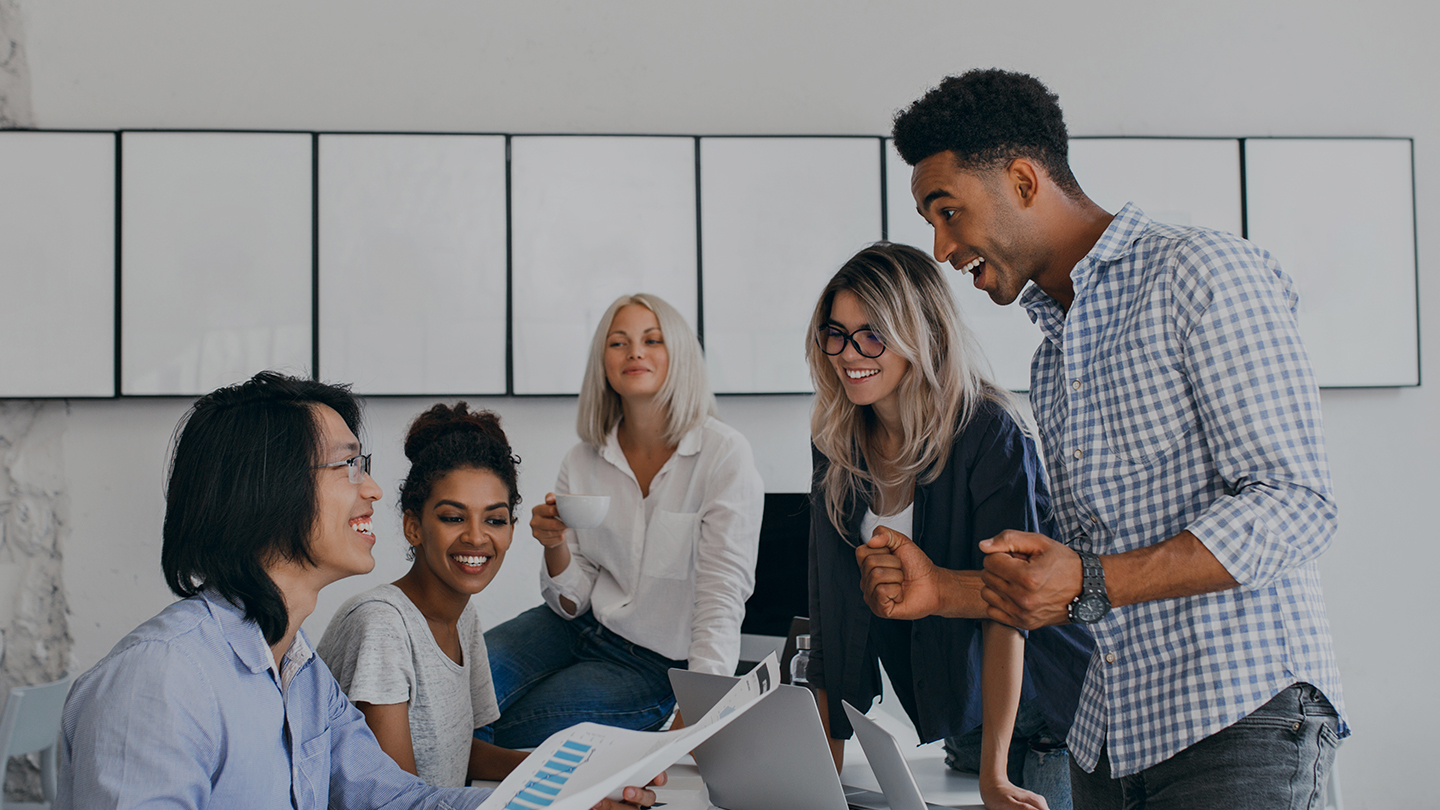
pixel 411 654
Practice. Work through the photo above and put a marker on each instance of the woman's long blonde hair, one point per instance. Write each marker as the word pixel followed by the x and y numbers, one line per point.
pixel 685 393
pixel 908 304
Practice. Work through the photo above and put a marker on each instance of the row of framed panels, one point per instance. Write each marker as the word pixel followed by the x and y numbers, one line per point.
pixel 169 263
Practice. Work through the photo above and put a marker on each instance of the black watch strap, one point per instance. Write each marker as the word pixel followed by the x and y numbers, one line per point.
pixel 1093 603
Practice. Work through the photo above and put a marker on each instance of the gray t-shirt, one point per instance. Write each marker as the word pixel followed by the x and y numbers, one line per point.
pixel 381 651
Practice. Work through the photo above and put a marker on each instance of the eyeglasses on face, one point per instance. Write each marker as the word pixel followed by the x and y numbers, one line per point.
pixel 358 467
pixel 832 340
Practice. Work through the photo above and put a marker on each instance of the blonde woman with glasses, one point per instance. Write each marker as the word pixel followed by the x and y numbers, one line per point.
pixel 662 582
pixel 911 437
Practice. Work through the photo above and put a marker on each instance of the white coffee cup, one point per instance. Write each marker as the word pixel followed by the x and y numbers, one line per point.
pixel 583 511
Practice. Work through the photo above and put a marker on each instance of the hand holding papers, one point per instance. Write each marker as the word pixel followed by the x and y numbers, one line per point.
pixel 575 768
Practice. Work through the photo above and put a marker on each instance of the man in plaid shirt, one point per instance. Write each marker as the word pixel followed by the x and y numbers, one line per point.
pixel 1182 435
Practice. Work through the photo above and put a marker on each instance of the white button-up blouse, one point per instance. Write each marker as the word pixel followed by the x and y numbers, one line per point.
pixel 671 571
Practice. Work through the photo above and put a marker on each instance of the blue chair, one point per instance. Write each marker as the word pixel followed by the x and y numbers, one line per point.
pixel 32 723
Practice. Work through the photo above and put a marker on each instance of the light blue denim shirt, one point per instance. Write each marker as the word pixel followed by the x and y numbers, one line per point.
pixel 187 711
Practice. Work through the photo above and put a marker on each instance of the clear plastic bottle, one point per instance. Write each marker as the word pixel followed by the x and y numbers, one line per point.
pixel 800 664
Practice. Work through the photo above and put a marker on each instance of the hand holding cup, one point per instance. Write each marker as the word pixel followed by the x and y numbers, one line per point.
pixel 549 521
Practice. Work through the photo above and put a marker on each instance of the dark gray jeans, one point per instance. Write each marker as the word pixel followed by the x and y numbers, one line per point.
pixel 1276 758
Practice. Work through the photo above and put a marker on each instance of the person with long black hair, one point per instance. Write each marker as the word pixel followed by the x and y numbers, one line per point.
pixel 219 700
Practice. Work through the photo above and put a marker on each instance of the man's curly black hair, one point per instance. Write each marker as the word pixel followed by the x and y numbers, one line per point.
pixel 987 118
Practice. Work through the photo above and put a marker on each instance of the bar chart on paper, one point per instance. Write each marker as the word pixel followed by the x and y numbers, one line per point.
pixel 576 767
pixel 544 786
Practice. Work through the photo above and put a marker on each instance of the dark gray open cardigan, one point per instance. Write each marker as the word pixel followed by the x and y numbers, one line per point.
pixel 992 481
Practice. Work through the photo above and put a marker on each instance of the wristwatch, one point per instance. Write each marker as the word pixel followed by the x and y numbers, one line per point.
pixel 1092 604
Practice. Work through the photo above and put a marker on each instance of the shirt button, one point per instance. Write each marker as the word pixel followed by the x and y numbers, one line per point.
pixel 1075 385
pixel 1079 453
pixel 1094 518
pixel 1109 658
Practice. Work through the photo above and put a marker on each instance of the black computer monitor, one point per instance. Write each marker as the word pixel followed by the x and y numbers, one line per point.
pixel 781 582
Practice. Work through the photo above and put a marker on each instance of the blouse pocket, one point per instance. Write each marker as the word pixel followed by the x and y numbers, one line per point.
pixel 670 540
pixel 314 768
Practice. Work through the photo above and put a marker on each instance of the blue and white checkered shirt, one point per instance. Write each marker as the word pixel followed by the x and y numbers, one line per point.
pixel 1175 394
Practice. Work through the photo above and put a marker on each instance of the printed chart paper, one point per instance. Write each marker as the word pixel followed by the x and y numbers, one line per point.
pixel 575 768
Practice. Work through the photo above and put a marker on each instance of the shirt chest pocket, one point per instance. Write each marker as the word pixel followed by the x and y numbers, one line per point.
pixel 670 540
pixel 1145 404
pixel 312 772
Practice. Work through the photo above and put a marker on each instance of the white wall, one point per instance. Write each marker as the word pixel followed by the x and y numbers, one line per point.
pixel 1121 67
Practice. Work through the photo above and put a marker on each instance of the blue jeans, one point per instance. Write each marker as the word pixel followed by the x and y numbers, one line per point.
pixel 1038 760
pixel 551 673
pixel 1277 757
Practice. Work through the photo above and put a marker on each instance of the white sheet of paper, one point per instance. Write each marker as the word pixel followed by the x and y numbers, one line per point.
pixel 577 767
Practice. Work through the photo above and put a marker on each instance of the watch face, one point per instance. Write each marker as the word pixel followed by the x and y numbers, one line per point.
pixel 1090 608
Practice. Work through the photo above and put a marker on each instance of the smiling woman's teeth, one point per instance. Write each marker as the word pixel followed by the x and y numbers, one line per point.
pixel 363 525
pixel 974 263
pixel 861 373
pixel 471 559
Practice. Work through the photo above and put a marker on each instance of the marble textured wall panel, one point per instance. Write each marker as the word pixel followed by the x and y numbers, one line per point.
pixel 35 638
pixel 15 108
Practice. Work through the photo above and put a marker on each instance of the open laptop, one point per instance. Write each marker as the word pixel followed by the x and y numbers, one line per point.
pixel 888 763
pixel 773 756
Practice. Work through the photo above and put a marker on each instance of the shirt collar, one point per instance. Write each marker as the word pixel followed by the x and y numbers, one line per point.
pixel 1114 244
pixel 690 444
pixel 246 638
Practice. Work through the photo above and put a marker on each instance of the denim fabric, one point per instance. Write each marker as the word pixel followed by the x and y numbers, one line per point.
pixel 1038 760
pixel 551 673
pixel 1275 758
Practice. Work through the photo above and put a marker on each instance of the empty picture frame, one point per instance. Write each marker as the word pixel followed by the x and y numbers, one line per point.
pixel 780 216
pixel 412 263
pixel 594 218
pixel 1339 216
pixel 1182 181
pixel 1005 335
pixel 216 258
pixel 57 292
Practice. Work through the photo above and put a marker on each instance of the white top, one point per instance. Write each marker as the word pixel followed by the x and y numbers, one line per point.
pixel 670 572
pixel 381 650
pixel 902 522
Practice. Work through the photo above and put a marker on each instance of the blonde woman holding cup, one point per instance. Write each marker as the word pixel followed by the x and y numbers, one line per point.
pixel 662 581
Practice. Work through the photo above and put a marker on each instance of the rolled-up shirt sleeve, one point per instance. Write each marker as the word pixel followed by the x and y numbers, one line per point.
pixel 577 581
pixel 1259 408
pixel 725 559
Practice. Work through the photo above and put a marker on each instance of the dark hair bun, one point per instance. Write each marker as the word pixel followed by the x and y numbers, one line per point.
pixel 442 420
